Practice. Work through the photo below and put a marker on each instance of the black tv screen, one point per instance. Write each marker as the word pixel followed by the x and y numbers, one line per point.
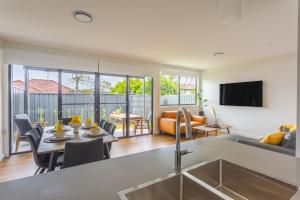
pixel 242 94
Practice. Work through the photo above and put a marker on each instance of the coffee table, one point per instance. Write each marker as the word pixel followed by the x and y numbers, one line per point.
pixel 207 129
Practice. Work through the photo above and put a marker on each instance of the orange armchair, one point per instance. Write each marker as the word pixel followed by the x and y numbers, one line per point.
pixel 167 122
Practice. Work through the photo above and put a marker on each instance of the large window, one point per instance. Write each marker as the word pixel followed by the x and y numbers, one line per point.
pixel 177 90
pixel 46 95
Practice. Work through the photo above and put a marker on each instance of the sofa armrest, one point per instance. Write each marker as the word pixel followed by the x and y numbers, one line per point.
pixel 167 125
pixel 200 119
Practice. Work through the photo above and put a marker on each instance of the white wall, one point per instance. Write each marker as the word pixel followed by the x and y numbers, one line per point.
pixel 279 75
pixel 17 53
pixel 298 97
pixel 1 105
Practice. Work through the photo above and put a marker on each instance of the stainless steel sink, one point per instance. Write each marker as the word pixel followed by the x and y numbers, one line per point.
pixel 213 180
pixel 169 188
pixel 241 183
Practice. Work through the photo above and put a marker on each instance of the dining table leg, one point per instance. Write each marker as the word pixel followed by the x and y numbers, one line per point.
pixel 52 161
pixel 107 151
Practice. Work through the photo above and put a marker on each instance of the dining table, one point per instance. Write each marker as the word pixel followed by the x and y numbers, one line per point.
pixel 54 148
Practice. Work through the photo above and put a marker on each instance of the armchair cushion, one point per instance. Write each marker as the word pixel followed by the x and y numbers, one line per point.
pixel 199 119
pixel 167 125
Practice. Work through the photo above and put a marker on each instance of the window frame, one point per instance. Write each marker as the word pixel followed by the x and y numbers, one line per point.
pixel 179 91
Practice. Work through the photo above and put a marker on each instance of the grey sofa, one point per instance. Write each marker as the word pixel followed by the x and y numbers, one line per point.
pixel 282 148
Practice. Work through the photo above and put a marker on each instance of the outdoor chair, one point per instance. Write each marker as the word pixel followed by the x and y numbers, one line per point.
pixel 24 125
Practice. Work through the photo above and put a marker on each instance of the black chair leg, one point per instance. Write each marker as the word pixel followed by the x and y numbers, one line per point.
pixel 42 170
pixel 37 171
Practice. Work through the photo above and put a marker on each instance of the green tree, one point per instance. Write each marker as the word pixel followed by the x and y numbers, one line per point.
pixel 168 85
pixel 120 88
pixel 136 87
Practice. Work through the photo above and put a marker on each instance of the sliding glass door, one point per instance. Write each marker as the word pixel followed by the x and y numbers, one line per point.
pixel 46 95
pixel 113 102
pixel 140 105
pixel 127 102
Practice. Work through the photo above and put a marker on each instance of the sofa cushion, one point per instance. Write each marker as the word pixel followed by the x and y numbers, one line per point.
pixel 289 140
pixel 169 114
pixel 273 138
pixel 287 127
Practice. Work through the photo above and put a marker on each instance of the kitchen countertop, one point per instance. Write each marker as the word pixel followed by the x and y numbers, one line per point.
pixel 102 180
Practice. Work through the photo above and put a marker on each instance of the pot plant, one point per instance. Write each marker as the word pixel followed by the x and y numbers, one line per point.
pixel 201 102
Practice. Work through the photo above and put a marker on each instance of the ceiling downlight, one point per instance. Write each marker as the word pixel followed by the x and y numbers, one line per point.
pixel 82 16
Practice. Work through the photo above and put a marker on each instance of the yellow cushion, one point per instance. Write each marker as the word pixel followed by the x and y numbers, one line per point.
pixel 287 127
pixel 293 128
pixel 274 138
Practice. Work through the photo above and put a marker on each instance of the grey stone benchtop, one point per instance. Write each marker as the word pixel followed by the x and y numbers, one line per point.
pixel 102 180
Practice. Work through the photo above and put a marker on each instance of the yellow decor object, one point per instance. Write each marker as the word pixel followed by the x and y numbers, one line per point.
pixel 76 120
pixel 88 120
pixel 287 127
pixel 274 138
pixel 59 128
pixel 95 125
pixel 95 129
pixel 293 128
pixel 61 122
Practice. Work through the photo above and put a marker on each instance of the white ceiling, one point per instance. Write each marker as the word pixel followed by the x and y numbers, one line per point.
pixel 174 32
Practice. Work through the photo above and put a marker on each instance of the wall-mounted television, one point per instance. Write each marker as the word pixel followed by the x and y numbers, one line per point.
pixel 242 94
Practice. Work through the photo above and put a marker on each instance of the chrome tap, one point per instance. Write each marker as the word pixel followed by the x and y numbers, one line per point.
pixel 188 133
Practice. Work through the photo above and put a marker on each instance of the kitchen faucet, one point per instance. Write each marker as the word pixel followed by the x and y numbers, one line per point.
pixel 188 133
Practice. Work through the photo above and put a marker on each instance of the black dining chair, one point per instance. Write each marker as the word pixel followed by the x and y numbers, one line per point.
pixel 39 129
pixel 66 121
pixel 24 125
pixel 110 128
pixel 103 123
pixel 41 160
pixel 78 153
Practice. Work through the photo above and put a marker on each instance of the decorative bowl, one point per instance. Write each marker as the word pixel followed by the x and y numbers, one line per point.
pixel 75 127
